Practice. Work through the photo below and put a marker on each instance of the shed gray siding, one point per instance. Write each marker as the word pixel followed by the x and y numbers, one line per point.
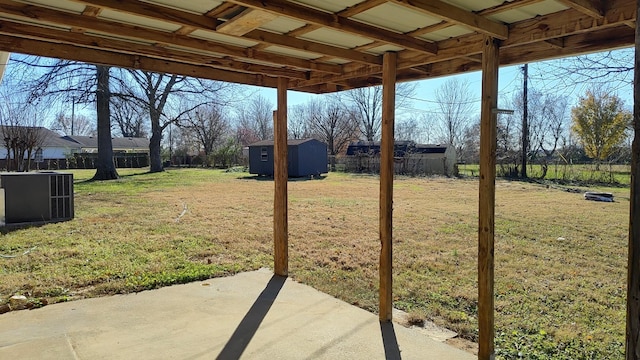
pixel 256 163
pixel 305 157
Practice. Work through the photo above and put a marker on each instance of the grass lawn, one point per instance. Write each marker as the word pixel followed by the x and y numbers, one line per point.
pixel 569 174
pixel 560 260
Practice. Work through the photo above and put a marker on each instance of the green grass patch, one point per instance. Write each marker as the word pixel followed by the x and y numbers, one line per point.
pixel 566 174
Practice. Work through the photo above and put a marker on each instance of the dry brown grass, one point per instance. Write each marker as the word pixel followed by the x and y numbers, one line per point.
pixel 560 260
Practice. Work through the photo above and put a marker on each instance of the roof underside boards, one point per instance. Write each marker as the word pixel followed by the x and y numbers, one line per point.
pixel 321 46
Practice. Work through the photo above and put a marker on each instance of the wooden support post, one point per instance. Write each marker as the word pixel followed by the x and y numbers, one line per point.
pixel 280 176
pixel 632 346
pixel 488 130
pixel 386 184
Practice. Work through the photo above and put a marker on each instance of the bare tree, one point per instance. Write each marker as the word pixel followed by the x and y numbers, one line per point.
pixel 609 68
pixel 507 149
pixel 129 117
pixel 209 125
pixel 76 82
pixel 456 105
pixel 365 107
pixel 21 133
pixel 331 123
pixel 255 117
pixel 407 129
pixel 81 124
pixel 471 144
pixel 298 122
pixel 550 130
pixel 154 92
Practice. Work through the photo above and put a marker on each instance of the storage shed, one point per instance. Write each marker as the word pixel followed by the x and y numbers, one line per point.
pixel 410 158
pixel 305 157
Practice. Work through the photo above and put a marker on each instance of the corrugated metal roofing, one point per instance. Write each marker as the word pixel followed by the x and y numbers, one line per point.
pixel 396 18
pixel 324 46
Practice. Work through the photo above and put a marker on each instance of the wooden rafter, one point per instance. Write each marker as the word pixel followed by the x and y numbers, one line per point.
pixel 94 56
pixel 586 43
pixel 557 42
pixel 506 6
pixel 593 8
pixel 220 10
pixel 303 30
pixel 549 27
pixel 458 16
pixel 568 22
pixel 311 46
pixel 245 24
pixel 360 8
pixel 305 13
pixel 431 28
pixel 155 12
pixel 91 11
pixel 136 32
pixel 248 20
pixel 88 41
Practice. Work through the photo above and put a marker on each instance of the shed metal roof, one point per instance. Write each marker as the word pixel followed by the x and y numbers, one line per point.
pixel 290 142
pixel 320 45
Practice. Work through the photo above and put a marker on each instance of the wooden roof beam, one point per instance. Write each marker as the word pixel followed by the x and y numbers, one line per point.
pixel 220 10
pixel 245 23
pixel 360 8
pixel 248 20
pixel 506 6
pixel 583 43
pixel 136 32
pixel 103 57
pixel 593 8
pixel 312 46
pixel 549 28
pixel 431 28
pixel 568 22
pixel 303 30
pixel 119 46
pixel 557 42
pixel 155 12
pixel 91 11
pixel 317 17
pixel 458 16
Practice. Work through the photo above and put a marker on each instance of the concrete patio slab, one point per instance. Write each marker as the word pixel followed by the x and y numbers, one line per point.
pixel 252 315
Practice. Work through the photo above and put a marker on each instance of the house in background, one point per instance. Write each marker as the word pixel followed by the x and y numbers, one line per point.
pixel 89 144
pixel 53 147
pixel 62 152
pixel 305 157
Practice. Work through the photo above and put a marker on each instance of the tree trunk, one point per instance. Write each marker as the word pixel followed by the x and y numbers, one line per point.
pixel 154 145
pixel 105 167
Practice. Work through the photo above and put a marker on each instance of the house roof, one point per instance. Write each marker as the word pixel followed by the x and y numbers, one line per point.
pixel 318 45
pixel 49 138
pixel 400 148
pixel 290 142
pixel 117 143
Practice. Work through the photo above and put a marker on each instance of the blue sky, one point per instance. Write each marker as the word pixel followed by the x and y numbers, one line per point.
pixel 541 77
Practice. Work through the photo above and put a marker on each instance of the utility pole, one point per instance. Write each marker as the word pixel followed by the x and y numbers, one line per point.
pixel 525 123
pixel 73 113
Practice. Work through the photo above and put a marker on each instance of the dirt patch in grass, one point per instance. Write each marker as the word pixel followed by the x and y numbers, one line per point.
pixel 560 260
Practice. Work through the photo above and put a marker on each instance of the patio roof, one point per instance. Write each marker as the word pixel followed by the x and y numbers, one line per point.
pixel 319 46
